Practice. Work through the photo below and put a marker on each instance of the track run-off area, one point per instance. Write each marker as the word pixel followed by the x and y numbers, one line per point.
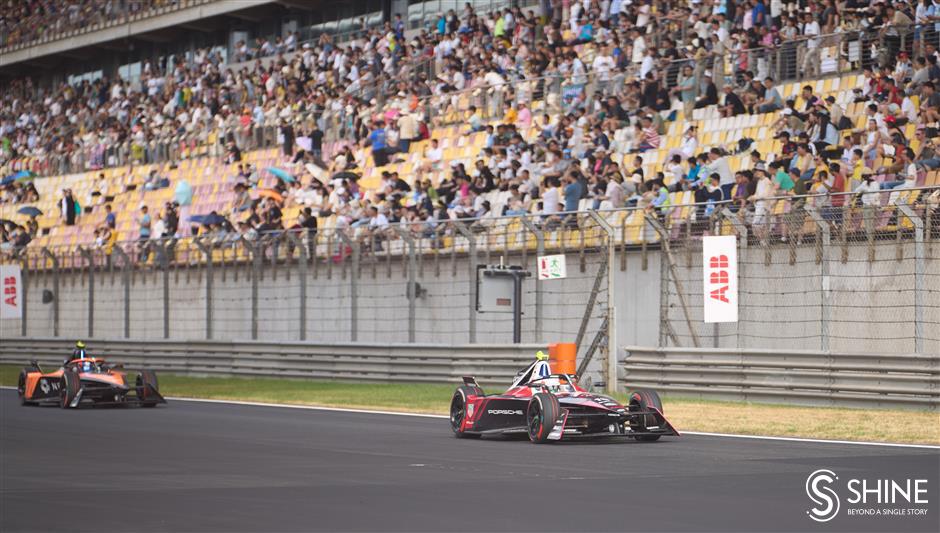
pixel 217 466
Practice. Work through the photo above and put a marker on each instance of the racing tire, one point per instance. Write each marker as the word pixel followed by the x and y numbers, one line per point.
pixel 540 416
pixel 21 386
pixel 458 410
pixel 642 400
pixel 71 384
pixel 145 378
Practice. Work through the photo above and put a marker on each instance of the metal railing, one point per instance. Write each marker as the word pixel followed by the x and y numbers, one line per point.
pixel 792 377
pixel 679 221
pixel 491 364
pixel 775 376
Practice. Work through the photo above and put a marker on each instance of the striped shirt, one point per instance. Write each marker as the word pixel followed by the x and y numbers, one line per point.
pixel 651 136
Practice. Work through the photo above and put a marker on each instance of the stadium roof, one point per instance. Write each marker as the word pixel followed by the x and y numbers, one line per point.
pixel 164 26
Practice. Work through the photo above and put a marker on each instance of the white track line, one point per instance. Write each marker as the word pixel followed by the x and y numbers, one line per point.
pixel 802 439
pixel 423 415
pixel 308 407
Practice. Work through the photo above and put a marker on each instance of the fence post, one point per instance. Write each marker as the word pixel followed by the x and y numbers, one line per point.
pixel 126 283
pixel 24 279
pixel 86 255
pixel 163 251
pixel 740 229
pixel 207 253
pixel 471 272
pixel 919 272
pixel 412 272
pixel 539 251
pixel 302 266
pixel 55 289
pixel 353 284
pixel 612 371
pixel 671 265
pixel 826 309
pixel 253 250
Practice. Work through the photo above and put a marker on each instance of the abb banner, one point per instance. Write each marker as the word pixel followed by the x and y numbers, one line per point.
pixel 720 272
pixel 11 292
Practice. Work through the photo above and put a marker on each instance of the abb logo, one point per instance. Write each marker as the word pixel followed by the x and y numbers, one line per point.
pixel 720 278
pixel 718 275
pixel 9 290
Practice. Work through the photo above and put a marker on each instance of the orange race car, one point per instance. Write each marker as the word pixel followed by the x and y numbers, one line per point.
pixel 87 381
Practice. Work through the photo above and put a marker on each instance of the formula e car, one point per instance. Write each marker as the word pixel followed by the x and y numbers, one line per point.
pixel 551 408
pixel 87 381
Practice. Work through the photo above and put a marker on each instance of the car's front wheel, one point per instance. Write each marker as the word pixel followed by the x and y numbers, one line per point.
pixel 71 384
pixel 643 400
pixel 458 409
pixel 541 415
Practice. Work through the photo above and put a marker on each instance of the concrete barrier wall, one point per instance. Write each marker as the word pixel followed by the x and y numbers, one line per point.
pixel 871 303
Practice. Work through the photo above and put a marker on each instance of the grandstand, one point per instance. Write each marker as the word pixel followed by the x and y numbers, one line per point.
pixel 212 179
pixel 471 114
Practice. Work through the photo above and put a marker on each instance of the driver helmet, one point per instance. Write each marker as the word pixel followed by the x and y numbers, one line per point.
pixel 541 356
pixel 79 351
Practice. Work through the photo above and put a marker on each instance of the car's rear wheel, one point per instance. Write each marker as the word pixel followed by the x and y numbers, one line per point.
pixel 71 384
pixel 145 380
pixel 643 400
pixel 458 409
pixel 21 387
pixel 541 415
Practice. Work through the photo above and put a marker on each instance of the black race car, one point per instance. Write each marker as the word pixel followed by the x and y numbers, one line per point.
pixel 553 408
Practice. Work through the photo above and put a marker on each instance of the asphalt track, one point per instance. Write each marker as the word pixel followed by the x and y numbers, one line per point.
pixel 192 466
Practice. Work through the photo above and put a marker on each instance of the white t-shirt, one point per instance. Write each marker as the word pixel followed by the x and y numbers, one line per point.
pixel 550 201
pixel 811 29
pixel 614 193
pixel 378 222
pixel 639 49
pixel 602 65
pixel 434 155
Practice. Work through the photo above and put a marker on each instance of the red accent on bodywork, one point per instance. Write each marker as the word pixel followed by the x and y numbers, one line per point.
pixel 468 419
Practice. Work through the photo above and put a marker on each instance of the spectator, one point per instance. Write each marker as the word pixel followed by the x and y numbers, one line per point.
pixel 771 101
pixel 574 191
pixel 378 225
pixel 110 221
pixel 717 163
pixel 732 104
pixel 709 92
pixel 68 207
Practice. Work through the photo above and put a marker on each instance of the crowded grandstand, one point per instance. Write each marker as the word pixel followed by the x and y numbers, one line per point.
pixel 664 109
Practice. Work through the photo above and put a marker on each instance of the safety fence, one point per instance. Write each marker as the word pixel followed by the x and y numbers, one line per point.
pixel 496 364
pixel 826 277
pixel 413 282
pixel 815 378
pixel 860 275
